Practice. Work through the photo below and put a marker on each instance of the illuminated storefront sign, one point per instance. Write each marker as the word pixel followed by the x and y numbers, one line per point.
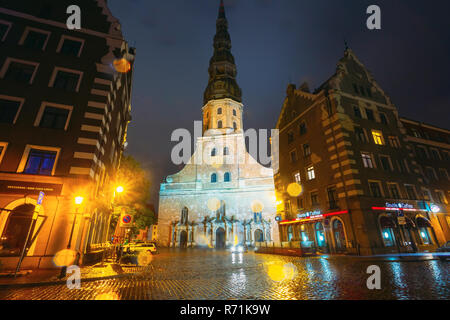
pixel 317 216
pixel 399 205
pixel 309 214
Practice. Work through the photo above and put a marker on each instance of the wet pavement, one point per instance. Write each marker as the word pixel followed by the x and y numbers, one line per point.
pixel 221 275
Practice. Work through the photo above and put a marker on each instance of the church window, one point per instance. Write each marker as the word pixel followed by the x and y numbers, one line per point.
pixel 219 124
pixel 213 178
pixel 234 112
pixel 226 151
pixel 227 177
pixel 234 126
pixel 213 152
pixel 219 111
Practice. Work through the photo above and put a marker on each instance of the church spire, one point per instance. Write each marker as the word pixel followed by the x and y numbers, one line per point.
pixel 222 69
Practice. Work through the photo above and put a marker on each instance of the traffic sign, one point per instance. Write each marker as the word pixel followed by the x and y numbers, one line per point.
pixel 126 220
pixel 40 197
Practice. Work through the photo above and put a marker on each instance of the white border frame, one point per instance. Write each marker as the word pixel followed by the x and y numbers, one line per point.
pixel 8 62
pixel 54 105
pixel 64 37
pixel 5 146
pixel 7 31
pixel 55 72
pixel 21 100
pixel 27 31
pixel 28 147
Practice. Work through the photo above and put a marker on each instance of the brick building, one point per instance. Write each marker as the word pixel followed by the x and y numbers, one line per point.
pixel 64 111
pixel 361 181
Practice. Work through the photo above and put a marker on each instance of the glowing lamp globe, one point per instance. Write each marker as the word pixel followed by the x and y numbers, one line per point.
pixel 122 65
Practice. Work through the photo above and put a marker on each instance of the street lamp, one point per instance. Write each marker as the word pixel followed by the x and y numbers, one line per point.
pixel 119 189
pixel 78 202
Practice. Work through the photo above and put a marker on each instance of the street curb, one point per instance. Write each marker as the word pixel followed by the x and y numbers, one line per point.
pixel 60 282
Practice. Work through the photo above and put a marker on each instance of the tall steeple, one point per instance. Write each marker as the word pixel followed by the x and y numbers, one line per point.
pixel 222 69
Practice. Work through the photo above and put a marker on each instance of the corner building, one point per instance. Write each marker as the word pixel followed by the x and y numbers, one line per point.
pixel 362 185
pixel 222 197
pixel 64 112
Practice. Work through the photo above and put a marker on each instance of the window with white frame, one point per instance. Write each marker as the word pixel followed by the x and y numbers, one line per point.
pixel 53 116
pixel 35 39
pixel 9 109
pixel 367 160
pixel 4 29
pixel 39 160
pixel 21 71
pixel 440 196
pixel 70 46
pixel 3 146
pixel 310 172
pixel 66 79
pixel 297 177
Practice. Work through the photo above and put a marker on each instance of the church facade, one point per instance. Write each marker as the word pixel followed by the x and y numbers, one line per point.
pixel 223 196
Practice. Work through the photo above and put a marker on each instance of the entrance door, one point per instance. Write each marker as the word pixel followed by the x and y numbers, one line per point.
pixel 259 235
pixel 183 239
pixel 16 230
pixel 220 238
pixel 339 235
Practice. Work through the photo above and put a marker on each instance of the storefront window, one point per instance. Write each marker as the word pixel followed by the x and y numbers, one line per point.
pixel 425 231
pixel 320 236
pixel 290 235
pixel 387 226
pixel 16 230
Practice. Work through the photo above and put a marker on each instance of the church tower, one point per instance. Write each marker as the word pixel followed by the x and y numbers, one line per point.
pixel 222 197
pixel 222 99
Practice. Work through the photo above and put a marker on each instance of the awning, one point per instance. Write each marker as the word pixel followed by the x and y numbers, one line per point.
pixel 423 223
pixel 386 222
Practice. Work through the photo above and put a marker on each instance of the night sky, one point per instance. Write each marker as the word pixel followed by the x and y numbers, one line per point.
pixel 275 42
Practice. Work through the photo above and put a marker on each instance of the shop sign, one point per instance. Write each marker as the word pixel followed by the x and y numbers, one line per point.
pixel 401 220
pixel 310 215
pixel 399 205
pixel 28 187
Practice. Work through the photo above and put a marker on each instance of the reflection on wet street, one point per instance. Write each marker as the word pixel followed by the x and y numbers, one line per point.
pixel 198 274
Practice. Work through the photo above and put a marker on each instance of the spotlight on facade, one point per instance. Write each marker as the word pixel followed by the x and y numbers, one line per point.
pixel 79 200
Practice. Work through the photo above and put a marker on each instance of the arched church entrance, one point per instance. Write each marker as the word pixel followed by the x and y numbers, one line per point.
pixel 220 238
pixel 16 230
pixel 183 239
pixel 259 235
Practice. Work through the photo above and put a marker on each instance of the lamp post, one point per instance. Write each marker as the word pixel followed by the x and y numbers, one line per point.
pixel 78 201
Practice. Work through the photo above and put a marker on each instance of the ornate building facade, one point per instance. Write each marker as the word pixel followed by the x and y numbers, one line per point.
pixel 222 197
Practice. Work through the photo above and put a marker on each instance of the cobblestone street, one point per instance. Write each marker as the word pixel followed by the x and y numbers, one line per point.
pixel 221 275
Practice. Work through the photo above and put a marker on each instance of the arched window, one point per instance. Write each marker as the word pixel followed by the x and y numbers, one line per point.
pixel 289 233
pixel 213 178
pixel 219 124
pixel 226 151
pixel 234 126
pixel 227 177
pixel 219 111
pixel 234 112
pixel 213 152
pixel 425 230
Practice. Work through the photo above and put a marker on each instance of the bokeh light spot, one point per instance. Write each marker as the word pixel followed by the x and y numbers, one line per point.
pixel 294 189
pixel 257 206
pixel 213 204
pixel 64 258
